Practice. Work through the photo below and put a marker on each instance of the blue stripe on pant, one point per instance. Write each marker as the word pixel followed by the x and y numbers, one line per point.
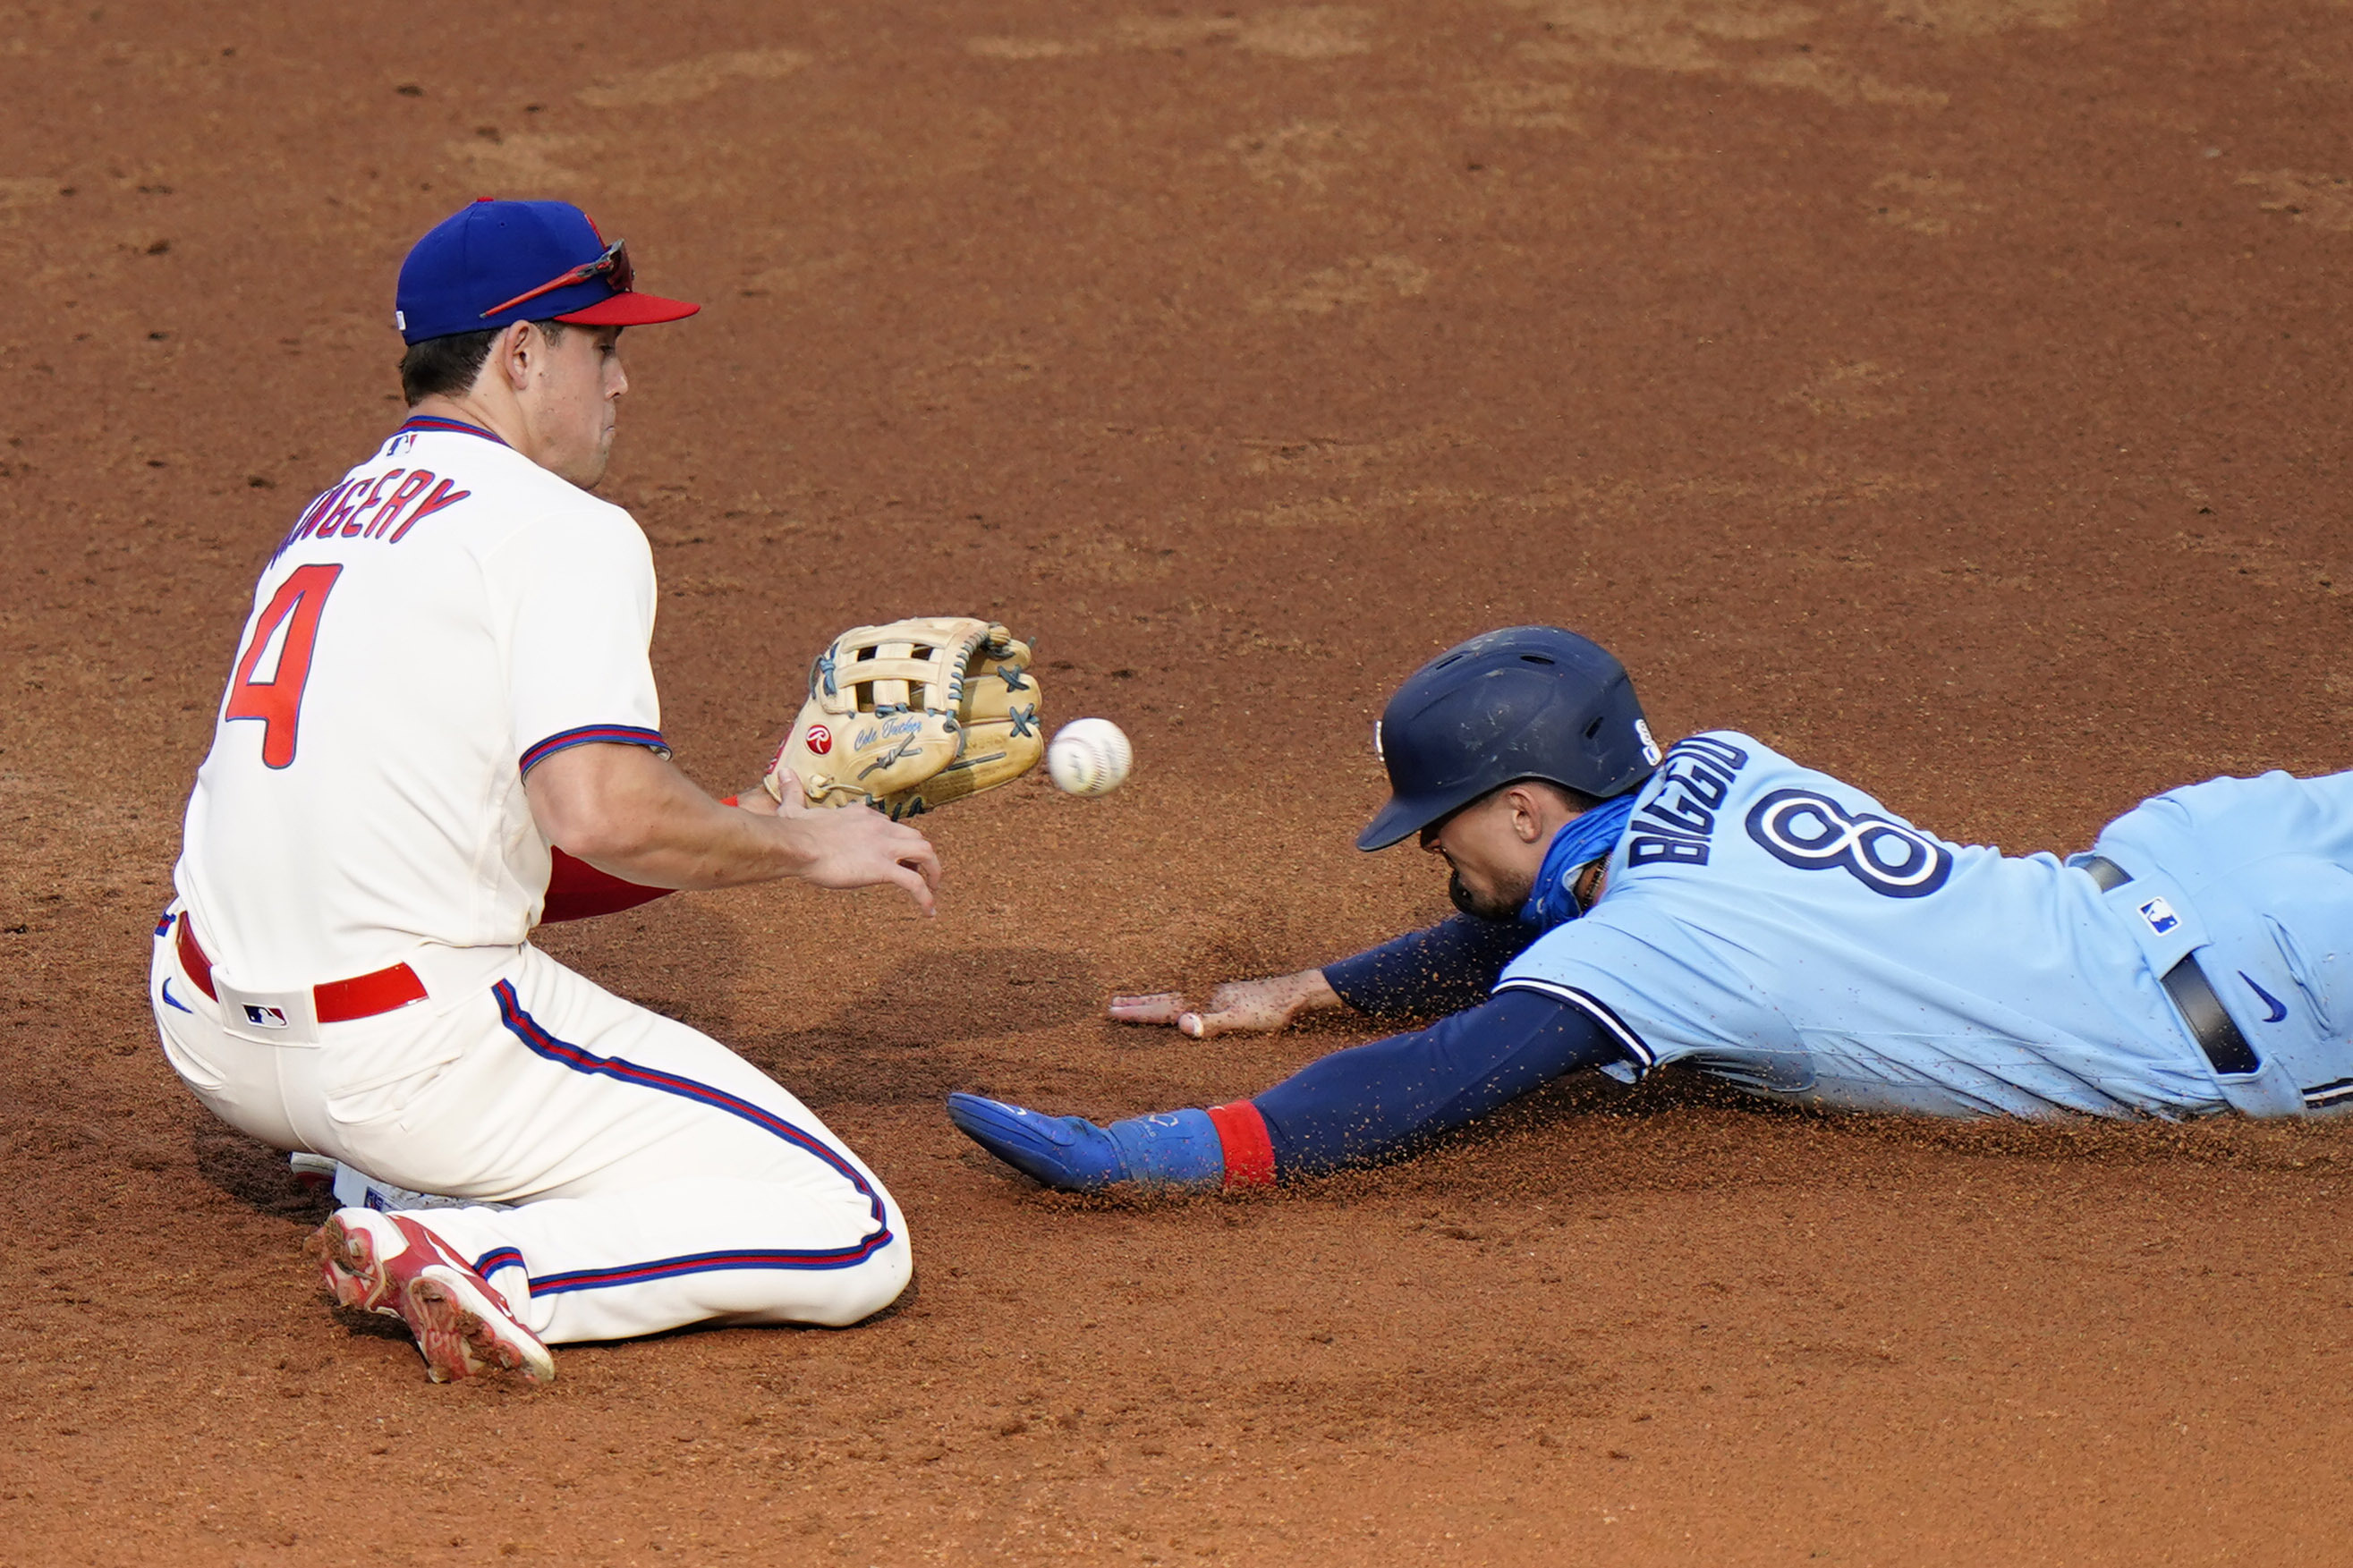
pixel 577 1059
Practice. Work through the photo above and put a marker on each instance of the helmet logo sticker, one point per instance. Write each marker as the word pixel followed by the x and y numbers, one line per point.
pixel 1650 753
pixel 1378 754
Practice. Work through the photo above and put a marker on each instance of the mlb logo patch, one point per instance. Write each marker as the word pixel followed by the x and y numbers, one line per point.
pixel 2160 916
pixel 265 1017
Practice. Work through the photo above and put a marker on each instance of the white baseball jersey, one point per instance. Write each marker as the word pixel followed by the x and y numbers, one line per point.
pixel 446 616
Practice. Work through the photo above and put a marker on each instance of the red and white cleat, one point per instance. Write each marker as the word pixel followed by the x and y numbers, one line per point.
pixel 389 1263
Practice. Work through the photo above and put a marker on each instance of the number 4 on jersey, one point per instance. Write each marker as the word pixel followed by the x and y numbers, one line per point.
pixel 273 694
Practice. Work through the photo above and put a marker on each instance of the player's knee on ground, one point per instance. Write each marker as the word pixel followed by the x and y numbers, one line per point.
pixel 871 1287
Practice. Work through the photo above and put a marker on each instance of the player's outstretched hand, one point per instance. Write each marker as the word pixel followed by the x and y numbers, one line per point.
pixel 1237 1005
pixel 855 847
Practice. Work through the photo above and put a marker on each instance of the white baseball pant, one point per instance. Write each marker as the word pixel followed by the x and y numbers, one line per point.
pixel 662 1180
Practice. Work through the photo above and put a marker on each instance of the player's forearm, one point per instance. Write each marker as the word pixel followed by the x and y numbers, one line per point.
pixel 701 845
pixel 1426 973
pixel 630 813
pixel 1296 994
pixel 1376 1099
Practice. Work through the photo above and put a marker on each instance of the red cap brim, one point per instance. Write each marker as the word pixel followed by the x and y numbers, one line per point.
pixel 631 310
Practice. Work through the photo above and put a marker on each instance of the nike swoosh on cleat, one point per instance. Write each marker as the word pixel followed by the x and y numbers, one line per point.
pixel 172 1001
pixel 2278 1009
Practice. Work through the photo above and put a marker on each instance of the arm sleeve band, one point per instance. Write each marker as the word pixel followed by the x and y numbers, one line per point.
pixel 578 890
pixel 1376 1100
pixel 1426 973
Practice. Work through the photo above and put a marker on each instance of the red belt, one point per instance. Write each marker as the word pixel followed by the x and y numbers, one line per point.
pixel 336 1002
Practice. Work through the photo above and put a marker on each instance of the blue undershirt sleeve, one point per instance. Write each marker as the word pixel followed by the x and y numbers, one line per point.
pixel 1425 973
pixel 1373 1100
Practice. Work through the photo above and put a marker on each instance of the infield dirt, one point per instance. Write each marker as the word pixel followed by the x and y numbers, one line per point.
pixel 1949 391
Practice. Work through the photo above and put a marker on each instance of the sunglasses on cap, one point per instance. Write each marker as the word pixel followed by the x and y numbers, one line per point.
pixel 613 266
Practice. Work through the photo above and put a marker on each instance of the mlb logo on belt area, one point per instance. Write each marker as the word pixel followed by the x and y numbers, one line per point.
pixel 2160 916
pixel 265 1017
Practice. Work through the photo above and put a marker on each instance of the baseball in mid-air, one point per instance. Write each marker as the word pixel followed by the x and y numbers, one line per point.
pixel 1089 756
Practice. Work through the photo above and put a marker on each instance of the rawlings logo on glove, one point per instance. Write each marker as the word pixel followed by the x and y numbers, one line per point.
pixel 909 716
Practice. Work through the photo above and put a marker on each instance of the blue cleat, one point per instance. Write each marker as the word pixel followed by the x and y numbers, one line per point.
pixel 1069 1152
pixel 1066 1152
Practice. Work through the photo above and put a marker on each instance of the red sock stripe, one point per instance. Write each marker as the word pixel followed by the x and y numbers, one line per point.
pixel 1250 1153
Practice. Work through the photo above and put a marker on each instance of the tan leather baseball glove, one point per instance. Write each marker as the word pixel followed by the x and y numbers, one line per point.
pixel 910 716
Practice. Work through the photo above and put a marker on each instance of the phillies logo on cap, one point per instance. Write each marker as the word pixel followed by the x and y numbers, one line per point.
pixel 820 739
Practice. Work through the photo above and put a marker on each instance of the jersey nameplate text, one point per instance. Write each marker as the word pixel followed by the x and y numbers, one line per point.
pixel 1680 818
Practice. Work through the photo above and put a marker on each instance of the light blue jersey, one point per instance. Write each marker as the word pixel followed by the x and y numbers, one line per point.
pixel 1777 929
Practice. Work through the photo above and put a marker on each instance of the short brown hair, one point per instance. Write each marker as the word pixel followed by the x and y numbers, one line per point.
pixel 444 367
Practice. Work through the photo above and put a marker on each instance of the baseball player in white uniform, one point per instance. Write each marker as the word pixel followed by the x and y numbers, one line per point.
pixel 444 675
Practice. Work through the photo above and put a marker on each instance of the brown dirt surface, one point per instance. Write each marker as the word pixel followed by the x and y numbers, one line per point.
pixel 1949 391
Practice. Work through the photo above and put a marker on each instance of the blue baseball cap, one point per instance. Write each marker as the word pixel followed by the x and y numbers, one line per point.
pixel 493 263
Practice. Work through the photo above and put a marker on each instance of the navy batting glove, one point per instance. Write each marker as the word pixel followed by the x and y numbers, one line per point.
pixel 1069 1152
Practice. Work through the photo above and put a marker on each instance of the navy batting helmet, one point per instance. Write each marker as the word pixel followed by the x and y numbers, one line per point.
pixel 1525 702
